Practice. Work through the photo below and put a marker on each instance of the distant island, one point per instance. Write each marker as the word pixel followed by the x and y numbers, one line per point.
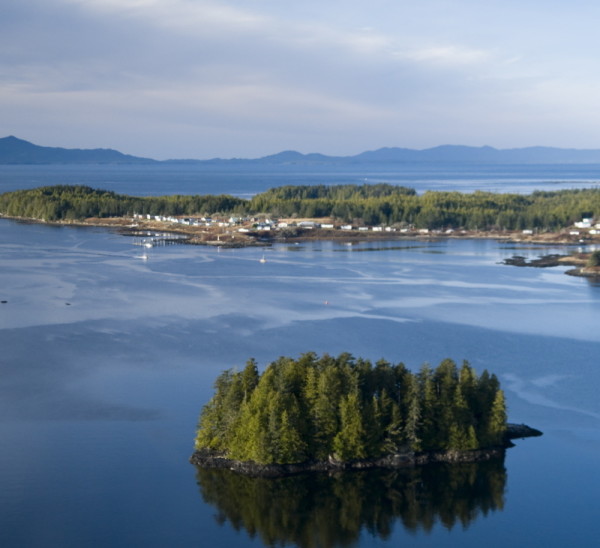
pixel 349 213
pixel 18 151
pixel 380 206
pixel 334 413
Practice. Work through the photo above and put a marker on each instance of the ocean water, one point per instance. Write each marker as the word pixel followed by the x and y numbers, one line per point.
pixel 106 361
pixel 246 180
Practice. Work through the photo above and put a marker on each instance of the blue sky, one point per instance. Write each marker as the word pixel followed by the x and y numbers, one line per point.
pixel 233 78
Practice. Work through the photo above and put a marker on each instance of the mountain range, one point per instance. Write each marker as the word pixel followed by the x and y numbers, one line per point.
pixel 19 151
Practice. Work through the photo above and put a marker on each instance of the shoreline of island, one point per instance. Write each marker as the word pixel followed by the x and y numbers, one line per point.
pixel 300 232
pixel 212 459
pixel 255 237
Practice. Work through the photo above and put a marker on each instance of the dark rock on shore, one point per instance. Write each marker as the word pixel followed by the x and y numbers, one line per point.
pixel 586 272
pixel 541 262
pixel 516 431
pixel 207 459
pixel 212 459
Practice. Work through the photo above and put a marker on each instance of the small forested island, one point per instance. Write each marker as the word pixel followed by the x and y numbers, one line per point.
pixel 331 413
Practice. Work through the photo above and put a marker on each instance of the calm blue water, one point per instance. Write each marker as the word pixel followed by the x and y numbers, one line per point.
pixel 245 181
pixel 106 361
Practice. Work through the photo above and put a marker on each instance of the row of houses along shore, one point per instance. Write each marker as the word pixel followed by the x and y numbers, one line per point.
pixel 253 223
pixel 587 226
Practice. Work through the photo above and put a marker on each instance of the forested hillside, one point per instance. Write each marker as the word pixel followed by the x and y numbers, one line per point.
pixel 380 204
pixel 64 202
pixel 316 407
pixel 387 204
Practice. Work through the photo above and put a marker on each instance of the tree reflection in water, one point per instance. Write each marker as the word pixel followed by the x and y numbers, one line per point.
pixel 321 510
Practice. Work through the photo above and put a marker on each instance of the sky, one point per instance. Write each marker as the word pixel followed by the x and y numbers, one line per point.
pixel 247 78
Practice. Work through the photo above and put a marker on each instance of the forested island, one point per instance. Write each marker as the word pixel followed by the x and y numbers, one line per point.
pixel 323 413
pixel 370 204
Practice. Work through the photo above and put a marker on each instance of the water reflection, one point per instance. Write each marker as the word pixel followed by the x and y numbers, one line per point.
pixel 320 510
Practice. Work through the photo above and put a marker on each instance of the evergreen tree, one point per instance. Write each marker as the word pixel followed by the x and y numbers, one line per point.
pixel 594 259
pixel 413 426
pixel 349 442
pixel 249 378
pixel 497 421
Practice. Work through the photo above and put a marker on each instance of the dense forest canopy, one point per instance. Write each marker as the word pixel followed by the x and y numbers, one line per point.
pixel 66 202
pixel 314 408
pixel 378 204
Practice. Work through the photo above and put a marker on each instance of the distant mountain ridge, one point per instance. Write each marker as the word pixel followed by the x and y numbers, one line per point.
pixel 19 151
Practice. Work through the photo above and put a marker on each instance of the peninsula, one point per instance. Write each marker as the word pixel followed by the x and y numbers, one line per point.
pixel 376 211
pixel 334 413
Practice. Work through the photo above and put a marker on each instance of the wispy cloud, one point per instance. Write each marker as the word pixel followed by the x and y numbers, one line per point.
pixel 338 76
pixel 181 15
pixel 449 55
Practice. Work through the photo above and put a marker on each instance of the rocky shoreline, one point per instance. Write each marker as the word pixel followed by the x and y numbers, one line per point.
pixel 216 236
pixel 295 235
pixel 212 459
pixel 591 272
pixel 578 260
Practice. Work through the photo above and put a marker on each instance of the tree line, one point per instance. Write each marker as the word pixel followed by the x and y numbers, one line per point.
pixel 314 408
pixel 387 205
pixel 75 202
pixel 379 204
